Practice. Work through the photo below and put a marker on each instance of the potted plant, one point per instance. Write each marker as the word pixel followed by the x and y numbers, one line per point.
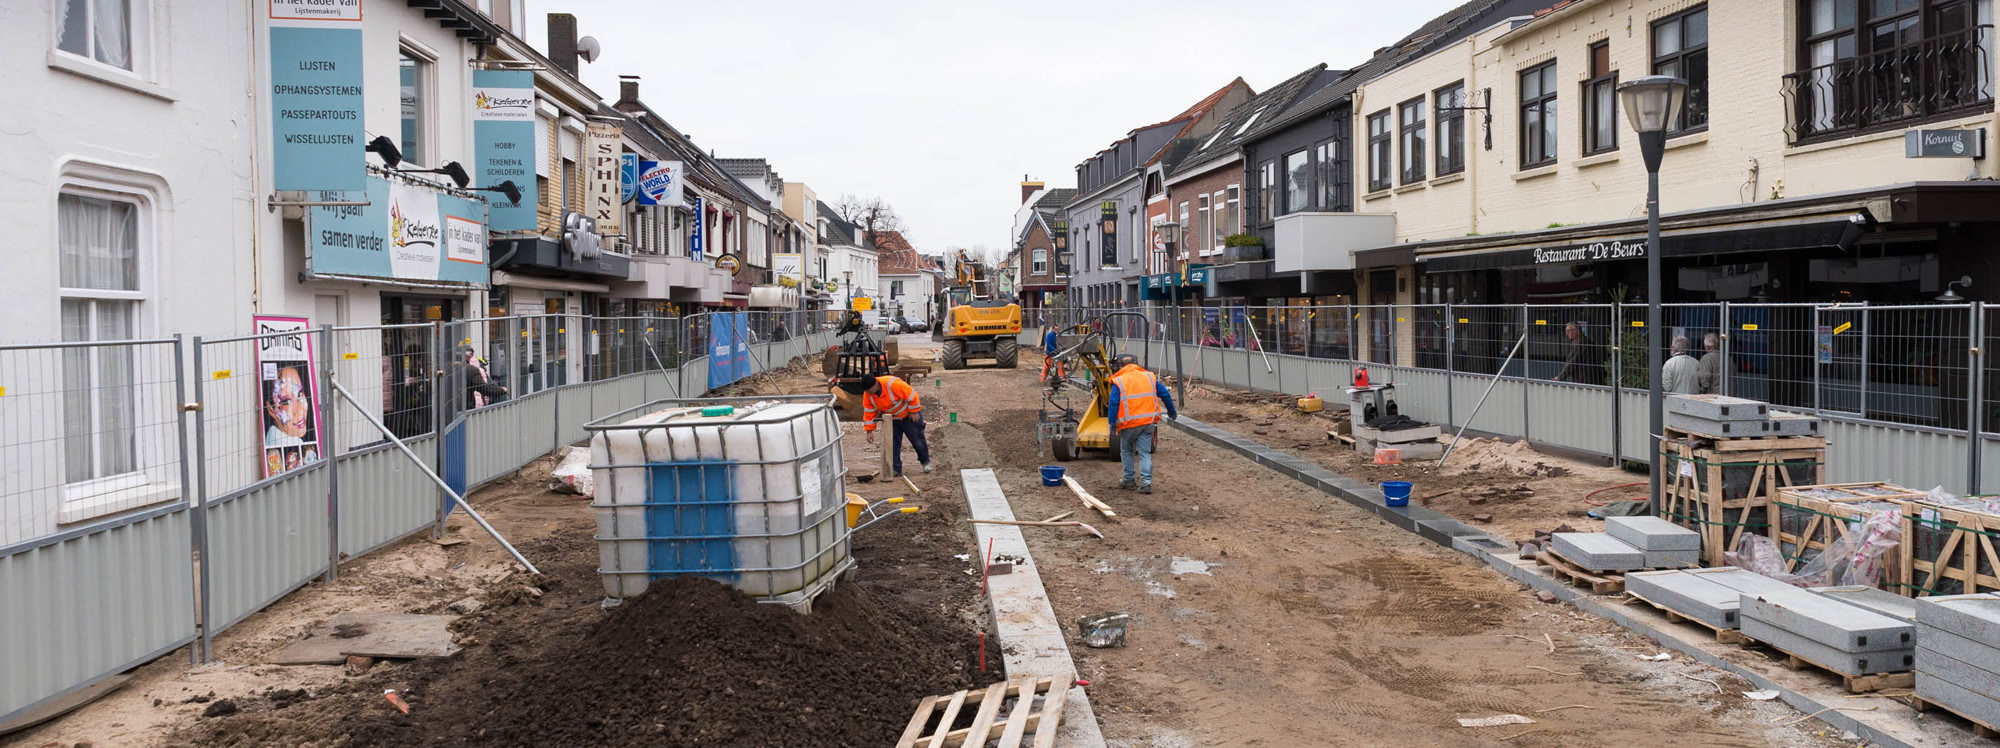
pixel 1243 248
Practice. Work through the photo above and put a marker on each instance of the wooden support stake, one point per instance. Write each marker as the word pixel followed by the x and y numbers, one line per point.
pixel 1088 500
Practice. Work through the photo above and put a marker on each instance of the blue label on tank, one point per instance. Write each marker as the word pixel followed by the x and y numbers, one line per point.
pixel 691 501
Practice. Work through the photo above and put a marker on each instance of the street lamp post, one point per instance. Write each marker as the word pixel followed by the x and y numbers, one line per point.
pixel 1170 232
pixel 847 283
pixel 1653 103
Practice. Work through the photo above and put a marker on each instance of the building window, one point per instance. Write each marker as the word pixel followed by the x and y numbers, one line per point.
pixel 1411 116
pixel 98 251
pixel 1379 170
pixel 1887 62
pixel 1450 129
pixel 1196 232
pixel 895 289
pixel 572 179
pixel 414 71
pixel 1600 102
pixel 1680 49
pixel 1235 213
pixel 1267 191
pixel 1040 261
pixel 1298 181
pixel 1185 240
pixel 1218 223
pixel 112 32
pixel 1326 161
pixel 1538 115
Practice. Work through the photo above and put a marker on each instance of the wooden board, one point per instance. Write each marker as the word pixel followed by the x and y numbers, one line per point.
pixel 1724 636
pixel 1854 683
pixel 382 635
pixel 1036 712
pixel 1979 728
pixel 1599 584
pixel 1748 444
pixel 65 704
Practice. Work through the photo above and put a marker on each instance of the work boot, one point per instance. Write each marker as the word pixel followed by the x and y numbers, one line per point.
pixel 1126 484
pixel 1146 489
pixel 928 468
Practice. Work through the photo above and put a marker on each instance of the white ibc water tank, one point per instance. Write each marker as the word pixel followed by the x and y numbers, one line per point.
pixel 751 497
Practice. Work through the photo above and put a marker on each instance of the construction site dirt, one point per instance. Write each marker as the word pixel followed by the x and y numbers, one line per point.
pixel 1262 613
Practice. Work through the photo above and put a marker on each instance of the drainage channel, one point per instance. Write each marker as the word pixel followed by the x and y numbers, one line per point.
pixel 1031 640
pixel 1884 727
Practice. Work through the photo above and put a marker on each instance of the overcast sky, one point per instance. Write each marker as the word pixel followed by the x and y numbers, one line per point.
pixel 940 106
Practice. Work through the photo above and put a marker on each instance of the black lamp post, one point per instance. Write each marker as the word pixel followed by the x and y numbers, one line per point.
pixel 1170 233
pixel 1653 103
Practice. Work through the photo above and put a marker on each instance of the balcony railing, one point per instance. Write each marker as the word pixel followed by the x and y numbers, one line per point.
pixel 1937 76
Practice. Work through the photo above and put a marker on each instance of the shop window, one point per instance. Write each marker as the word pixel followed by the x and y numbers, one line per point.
pixel 1450 106
pixel 1600 102
pixel 1538 115
pixel 1411 117
pixel 1680 49
pixel 1379 170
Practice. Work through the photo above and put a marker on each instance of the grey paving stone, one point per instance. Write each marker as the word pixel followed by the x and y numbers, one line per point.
pixel 1831 623
pixel 1958 699
pixel 1957 671
pixel 1672 559
pixel 1686 594
pixel 1845 663
pixel 1973 616
pixel 1952 644
pixel 1881 601
pixel 1739 579
pixel 1652 534
pixel 1597 551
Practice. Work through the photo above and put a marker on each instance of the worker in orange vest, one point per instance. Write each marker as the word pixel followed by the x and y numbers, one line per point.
pixel 1137 400
pixel 892 395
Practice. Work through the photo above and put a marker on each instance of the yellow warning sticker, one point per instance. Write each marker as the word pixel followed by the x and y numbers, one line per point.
pixel 563 330
pixel 3 392
pixel 349 356
pixel 1842 328
pixel 1399 319
pixel 223 374
pixel 1464 321
pixel 1750 326
pixel 1638 323
pixel 1541 322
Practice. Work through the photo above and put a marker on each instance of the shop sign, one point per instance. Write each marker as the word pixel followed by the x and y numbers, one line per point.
pixel 407 231
pixel 660 183
pixel 316 100
pixel 503 144
pixel 1944 144
pixel 788 265
pixel 603 177
pixel 1107 218
pixel 728 262
pixel 1620 249
pixel 697 240
pixel 628 177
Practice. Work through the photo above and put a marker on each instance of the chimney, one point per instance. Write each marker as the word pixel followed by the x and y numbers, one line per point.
pixel 1028 189
pixel 628 89
pixel 562 42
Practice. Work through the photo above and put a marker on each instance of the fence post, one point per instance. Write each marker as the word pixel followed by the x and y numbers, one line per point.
pixel 443 396
pixel 1527 372
pixel 1616 339
pixel 1812 328
pixel 1724 369
pixel 1974 393
pixel 330 451
pixel 199 516
pixel 182 408
pixel 1450 365
pixel 1863 407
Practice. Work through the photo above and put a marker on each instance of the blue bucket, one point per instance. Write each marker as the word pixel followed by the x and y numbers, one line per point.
pixel 1052 475
pixel 1396 492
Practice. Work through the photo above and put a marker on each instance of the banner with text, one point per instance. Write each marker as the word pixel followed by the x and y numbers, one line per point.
pixel 660 183
pixel 407 232
pixel 503 136
pixel 316 127
pixel 601 145
pixel 721 349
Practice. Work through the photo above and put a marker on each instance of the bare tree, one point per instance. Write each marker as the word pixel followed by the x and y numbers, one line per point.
pixel 872 214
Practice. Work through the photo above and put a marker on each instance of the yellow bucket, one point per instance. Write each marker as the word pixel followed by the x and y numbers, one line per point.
pixel 1311 404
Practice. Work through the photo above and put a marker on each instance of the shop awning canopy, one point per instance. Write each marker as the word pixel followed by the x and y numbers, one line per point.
pixel 1791 234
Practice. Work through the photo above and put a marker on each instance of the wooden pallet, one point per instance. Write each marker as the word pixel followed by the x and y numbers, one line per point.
pixel 1037 712
pixel 1854 683
pixel 1599 583
pixel 1724 636
pixel 1747 443
pixel 1979 728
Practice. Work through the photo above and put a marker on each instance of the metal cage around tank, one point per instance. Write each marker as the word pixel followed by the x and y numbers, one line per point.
pixel 752 498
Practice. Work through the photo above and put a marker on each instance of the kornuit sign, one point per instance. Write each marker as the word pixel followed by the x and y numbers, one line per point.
pixel 1944 144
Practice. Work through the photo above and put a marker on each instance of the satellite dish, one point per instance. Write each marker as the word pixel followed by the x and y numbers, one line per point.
pixel 588 48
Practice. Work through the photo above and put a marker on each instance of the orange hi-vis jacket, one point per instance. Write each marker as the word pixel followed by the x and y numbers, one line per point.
pixel 898 399
pixel 1138 401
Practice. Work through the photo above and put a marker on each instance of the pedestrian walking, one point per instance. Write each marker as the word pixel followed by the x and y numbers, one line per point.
pixel 895 397
pixel 1678 376
pixel 1137 400
pixel 1708 375
pixel 1583 361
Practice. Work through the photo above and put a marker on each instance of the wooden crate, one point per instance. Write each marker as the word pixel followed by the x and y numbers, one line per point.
pixel 1723 488
pixel 1804 519
pixel 1949 550
pixel 1599 582
pixel 1036 714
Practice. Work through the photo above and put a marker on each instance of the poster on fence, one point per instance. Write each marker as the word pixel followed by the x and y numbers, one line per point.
pixel 742 365
pixel 721 347
pixel 287 407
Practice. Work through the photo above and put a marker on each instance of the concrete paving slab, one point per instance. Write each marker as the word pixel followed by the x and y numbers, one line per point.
pixel 1652 534
pixel 1739 579
pixel 1597 551
pixel 1881 601
pixel 1837 625
pixel 1973 616
pixel 1956 671
pixel 1717 407
pixel 1951 644
pixel 1845 663
pixel 1686 594
pixel 1031 640
pixel 1672 559
pixel 1939 691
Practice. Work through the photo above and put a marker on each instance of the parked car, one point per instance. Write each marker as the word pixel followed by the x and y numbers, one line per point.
pixel 905 324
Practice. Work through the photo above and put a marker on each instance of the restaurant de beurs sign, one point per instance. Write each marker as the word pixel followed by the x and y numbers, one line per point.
pixel 316 124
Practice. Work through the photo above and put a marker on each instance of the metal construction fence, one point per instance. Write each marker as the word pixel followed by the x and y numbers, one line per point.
pixel 1902 389
pixel 154 493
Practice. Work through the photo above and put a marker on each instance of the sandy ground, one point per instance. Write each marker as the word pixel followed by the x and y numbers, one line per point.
pixel 1268 614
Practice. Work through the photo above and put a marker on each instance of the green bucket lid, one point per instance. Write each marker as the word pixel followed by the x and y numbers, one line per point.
pixel 717 410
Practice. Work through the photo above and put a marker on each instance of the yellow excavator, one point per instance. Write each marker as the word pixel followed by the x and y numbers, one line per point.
pixel 976 321
pixel 1084 349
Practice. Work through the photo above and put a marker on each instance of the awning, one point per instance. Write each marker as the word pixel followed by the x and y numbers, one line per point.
pixel 516 280
pixel 1813 232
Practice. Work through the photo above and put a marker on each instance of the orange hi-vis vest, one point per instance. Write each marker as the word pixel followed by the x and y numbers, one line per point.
pixel 898 399
pixel 1138 397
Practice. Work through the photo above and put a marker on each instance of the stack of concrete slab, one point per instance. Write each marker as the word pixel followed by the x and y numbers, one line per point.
pixel 1664 544
pixel 1958 654
pixel 1722 417
pixel 1417 441
pixel 1596 551
pixel 1709 596
pixel 1845 638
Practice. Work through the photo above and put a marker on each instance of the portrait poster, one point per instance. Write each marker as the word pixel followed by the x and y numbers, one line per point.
pixel 288 405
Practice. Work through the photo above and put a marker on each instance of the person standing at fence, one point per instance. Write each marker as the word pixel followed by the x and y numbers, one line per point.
pixel 1583 361
pixel 895 397
pixel 1678 376
pixel 1137 400
pixel 1708 374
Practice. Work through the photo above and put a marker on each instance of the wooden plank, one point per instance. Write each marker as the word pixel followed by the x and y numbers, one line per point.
pixel 1979 728
pixel 916 729
pixel 1088 500
pixel 982 723
pixel 382 635
pixel 950 716
pixel 1052 709
pixel 1017 720
pixel 1599 585
pixel 67 703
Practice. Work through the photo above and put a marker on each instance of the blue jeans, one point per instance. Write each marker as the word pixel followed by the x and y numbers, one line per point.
pixel 914 429
pixel 1137 443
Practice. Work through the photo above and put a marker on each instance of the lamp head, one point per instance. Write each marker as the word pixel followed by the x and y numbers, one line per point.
pixel 386 148
pixel 1652 103
pixel 1170 232
pixel 456 171
pixel 1951 297
pixel 510 190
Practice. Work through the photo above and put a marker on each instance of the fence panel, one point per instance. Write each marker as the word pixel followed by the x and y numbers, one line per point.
pixel 1420 393
pixel 1633 442
pixel 384 497
pixel 573 409
pixel 1872 451
pixel 93 603
pixel 1579 417
pixel 263 542
pixel 502 438
pixel 1503 412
